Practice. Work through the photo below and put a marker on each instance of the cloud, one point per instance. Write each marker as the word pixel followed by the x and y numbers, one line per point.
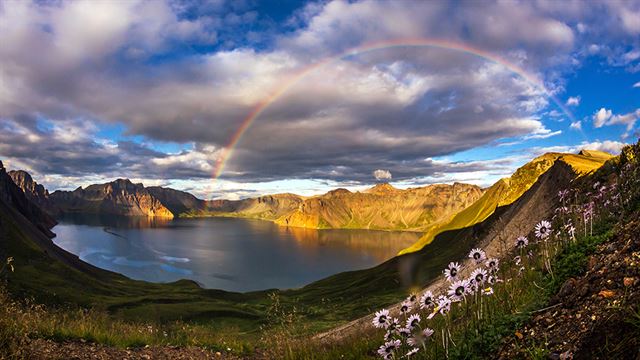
pixel 601 116
pixel 190 73
pixel 576 125
pixel 612 147
pixel 380 174
pixel 573 101
pixel 606 117
pixel 637 85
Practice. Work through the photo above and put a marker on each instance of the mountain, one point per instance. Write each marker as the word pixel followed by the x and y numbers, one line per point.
pixel 506 191
pixel 35 192
pixel 119 197
pixel 178 202
pixel 382 207
pixel 268 207
pixel 14 196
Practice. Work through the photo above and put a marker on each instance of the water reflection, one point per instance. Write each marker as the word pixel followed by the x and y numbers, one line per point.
pixel 230 254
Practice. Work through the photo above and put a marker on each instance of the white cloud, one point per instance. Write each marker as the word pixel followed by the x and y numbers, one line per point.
pixel 606 117
pixel 637 85
pixel 612 147
pixel 380 174
pixel 576 125
pixel 573 101
pixel 601 116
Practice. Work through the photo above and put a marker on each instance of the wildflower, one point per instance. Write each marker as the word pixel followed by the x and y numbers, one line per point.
pixel 479 275
pixel 471 285
pixel 562 194
pixel 404 333
pixel 517 260
pixel 393 325
pixel 521 270
pixel 412 298
pixel 388 348
pixel 413 321
pixel 530 254
pixel 426 300
pixel 522 242
pixel 381 318
pixel 478 255
pixel 492 264
pixel 458 289
pixel 405 307
pixel 452 271
pixel 487 291
pixel 420 338
pixel 492 280
pixel 412 352
pixel 543 229
pixel 572 231
pixel 444 304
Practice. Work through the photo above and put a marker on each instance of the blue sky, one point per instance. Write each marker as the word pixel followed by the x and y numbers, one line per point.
pixel 155 90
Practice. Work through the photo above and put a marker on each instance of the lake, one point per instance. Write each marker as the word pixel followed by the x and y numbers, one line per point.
pixel 224 253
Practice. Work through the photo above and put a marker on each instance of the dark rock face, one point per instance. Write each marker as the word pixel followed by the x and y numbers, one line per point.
pixel 35 192
pixel 14 196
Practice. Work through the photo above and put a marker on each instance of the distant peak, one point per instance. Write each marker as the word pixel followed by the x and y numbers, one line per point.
pixel 595 153
pixel 382 188
pixel 339 191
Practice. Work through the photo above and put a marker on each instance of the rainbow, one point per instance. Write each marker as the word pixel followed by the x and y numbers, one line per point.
pixel 380 45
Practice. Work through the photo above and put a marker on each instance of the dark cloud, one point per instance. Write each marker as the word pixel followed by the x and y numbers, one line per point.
pixel 179 72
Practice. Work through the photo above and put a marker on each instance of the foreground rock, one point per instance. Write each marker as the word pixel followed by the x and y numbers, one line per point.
pixel 596 315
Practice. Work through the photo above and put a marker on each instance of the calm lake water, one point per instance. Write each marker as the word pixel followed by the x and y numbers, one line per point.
pixel 224 253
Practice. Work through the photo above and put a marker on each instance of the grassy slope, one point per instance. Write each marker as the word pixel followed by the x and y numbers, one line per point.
pixel 506 191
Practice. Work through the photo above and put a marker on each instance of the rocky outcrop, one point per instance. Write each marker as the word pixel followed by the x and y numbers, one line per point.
pixel 15 197
pixel 178 202
pixel 119 197
pixel 383 207
pixel 35 192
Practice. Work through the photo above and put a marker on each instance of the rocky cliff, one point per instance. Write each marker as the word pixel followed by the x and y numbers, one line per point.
pixel 383 207
pixel 268 207
pixel 35 192
pixel 119 197
pixel 15 197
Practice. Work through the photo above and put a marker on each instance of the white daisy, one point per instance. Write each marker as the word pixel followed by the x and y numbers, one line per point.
pixel 420 338
pixel 444 304
pixel 517 260
pixel 487 291
pixel 458 290
pixel 492 264
pixel 404 333
pixel 393 325
pixel 543 229
pixel 389 347
pixel 479 276
pixel 478 255
pixel 452 271
pixel 522 242
pixel 381 318
pixel 412 298
pixel 405 307
pixel 412 352
pixel 426 300
pixel 413 321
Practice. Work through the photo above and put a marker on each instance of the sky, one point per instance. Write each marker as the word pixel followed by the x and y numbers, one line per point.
pixel 233 99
